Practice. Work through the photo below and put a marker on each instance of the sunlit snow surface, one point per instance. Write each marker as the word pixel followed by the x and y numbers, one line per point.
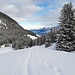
pixel 32 37
pixel 37 60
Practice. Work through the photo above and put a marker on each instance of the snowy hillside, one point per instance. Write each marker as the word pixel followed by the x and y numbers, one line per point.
pixel 37 60
pixel 32 37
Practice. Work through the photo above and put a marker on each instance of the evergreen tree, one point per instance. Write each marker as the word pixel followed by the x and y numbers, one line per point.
pixel 43 39
pixel 30 43
pixel 7 44
pixel 50 37
pixel 34 42
pixel 52 34
pixel 47 42
pixel 13 44
pixel 66 36
pixel 0 44
pixel 39 41
pixel 19 44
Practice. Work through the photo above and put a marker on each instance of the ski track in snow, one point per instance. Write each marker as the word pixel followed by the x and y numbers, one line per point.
pixel 27 64
pixel 30 63
pixel 56 70
pixel 22 67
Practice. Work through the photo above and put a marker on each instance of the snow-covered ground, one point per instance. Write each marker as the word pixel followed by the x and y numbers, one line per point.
pixel 37 60
pixel 32 37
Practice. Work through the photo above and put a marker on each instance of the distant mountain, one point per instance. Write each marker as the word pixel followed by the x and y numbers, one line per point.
pixel 43 30
pixel 11 30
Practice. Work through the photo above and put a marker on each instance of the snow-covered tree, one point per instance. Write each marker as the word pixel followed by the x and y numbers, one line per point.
pixel 66 36
pixel 50 37
pixel 52 34
pixel 39 41
pixel 43 39
pixel 48 42
pixel 7 44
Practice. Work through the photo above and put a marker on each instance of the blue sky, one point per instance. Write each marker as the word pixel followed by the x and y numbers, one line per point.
pixel 34 13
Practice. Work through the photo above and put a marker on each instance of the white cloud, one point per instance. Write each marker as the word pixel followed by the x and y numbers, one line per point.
pixel 33 8
pixel 11 9
pixel 30 10
pixel 22 10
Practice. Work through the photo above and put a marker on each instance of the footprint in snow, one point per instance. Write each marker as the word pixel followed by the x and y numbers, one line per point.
pixel 56 70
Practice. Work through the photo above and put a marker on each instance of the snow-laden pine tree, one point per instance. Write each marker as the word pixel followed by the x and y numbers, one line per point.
pixel 66 36
pixel 48 42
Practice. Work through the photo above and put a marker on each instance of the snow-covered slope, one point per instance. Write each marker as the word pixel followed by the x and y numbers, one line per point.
pixel 37 60
pixel 32 37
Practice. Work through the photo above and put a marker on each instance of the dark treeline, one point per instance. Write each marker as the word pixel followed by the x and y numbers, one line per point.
pixel 46 39
pixel 22 41
pixel 12 33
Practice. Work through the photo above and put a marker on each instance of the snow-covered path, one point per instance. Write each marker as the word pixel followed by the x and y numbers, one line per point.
pixel 38 66
pixel 37 61
pixel 13 63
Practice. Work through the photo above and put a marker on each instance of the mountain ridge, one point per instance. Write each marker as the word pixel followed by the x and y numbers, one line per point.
pixel 8 23
pixel 12 32
pixel 43 30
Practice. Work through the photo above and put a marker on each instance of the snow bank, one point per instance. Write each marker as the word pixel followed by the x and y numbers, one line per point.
pixel 5 50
